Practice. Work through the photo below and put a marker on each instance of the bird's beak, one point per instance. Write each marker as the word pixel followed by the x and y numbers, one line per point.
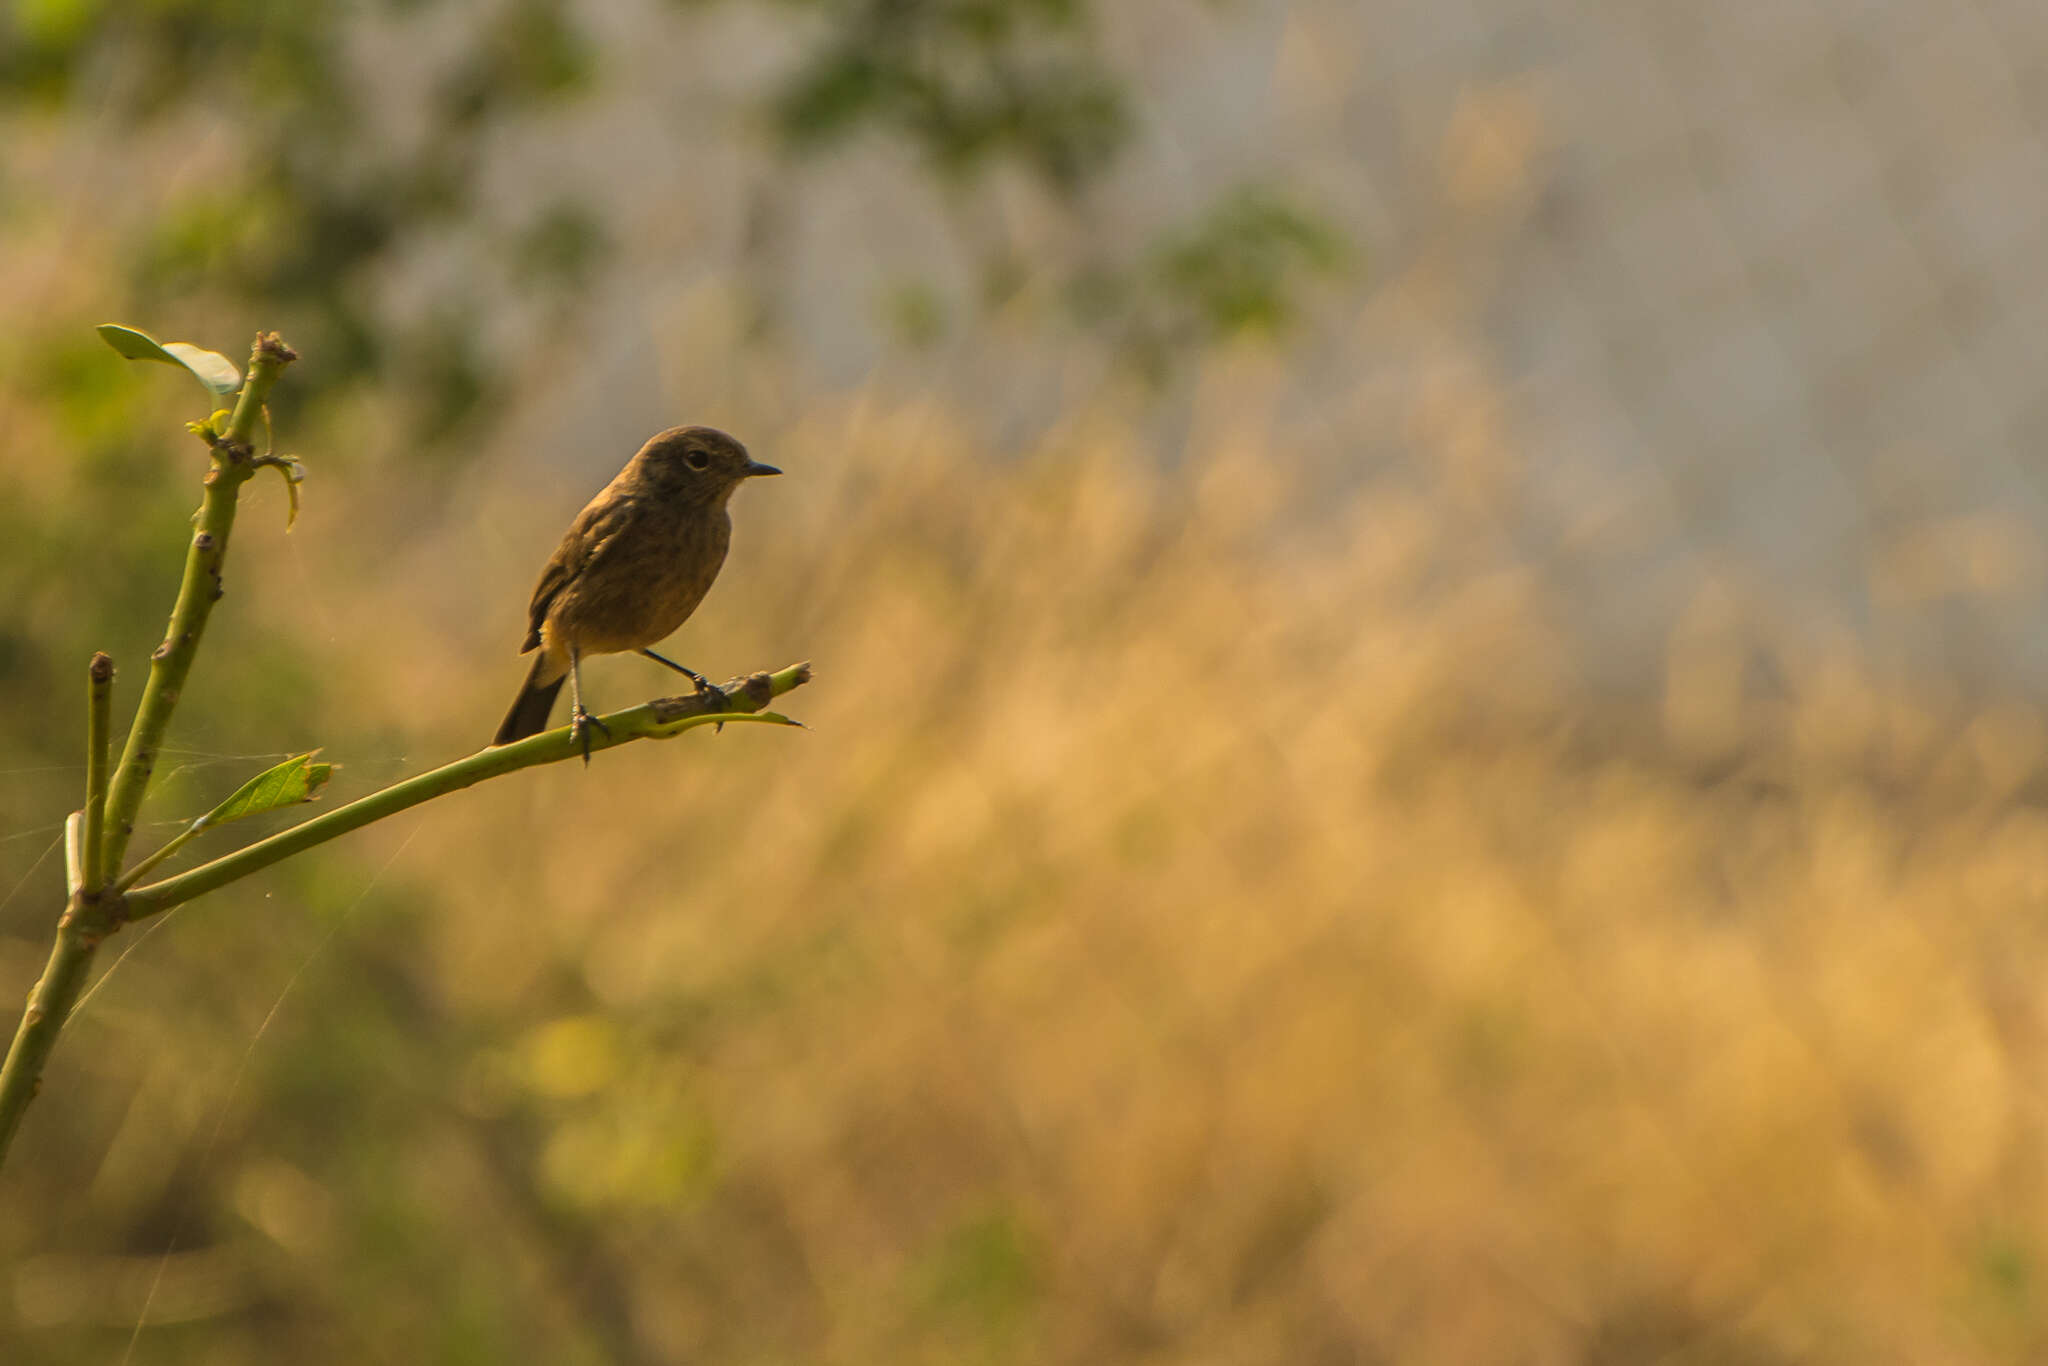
pixel 755 467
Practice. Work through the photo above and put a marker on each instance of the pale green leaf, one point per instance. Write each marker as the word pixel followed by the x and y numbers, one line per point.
pixel 210 368
pixel 294 781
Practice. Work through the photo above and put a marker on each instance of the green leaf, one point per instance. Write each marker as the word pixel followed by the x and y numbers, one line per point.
pixel 294 781
pixel 213 428
pixel 210 368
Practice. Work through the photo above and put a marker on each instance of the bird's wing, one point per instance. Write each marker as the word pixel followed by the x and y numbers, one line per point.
pixel 595 528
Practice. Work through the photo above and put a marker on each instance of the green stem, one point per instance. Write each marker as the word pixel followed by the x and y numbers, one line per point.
pixel 201 588
pixel 171 846
pixel 89 916
pixel 49 1005
pixel 650 721
pixel 99 704
pixel 97 837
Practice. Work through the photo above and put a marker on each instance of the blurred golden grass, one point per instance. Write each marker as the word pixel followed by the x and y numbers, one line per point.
pixel 1211 919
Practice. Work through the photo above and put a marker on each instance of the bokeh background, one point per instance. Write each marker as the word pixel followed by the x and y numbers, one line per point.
pixel 1427 743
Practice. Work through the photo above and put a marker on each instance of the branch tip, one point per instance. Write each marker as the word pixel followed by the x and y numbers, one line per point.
pixel 101 670
pixel 272 348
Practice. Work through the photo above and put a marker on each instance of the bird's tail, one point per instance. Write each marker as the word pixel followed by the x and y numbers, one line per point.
pixel 529 714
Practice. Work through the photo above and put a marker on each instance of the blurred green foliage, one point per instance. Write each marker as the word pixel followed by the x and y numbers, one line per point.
pixel 967 82
pixel 985 1275
pixel 1244 267
pixel 324 194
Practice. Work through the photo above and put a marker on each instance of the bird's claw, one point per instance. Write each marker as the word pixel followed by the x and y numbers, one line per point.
pixel 580 722
pixel 714 700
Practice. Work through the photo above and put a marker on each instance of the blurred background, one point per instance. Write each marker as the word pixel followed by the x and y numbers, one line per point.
pixel 1427 742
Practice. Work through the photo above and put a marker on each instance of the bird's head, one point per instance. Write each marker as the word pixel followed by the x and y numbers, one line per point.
pixel 700 462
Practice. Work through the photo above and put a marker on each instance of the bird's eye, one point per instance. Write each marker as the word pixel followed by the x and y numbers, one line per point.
pixel 696 460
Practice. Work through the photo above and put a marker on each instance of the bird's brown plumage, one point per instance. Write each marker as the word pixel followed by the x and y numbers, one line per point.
pixel 633 565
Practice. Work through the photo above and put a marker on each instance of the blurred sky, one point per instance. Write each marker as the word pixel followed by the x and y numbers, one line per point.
pixel 1759 287
pixel 1763 285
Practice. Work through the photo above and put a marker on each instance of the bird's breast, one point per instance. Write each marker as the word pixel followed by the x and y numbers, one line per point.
pixel 643 586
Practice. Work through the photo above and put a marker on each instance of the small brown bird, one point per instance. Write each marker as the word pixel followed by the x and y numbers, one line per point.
pixel 635 563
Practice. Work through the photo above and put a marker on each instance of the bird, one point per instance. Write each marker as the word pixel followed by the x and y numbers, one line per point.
pixel 631 569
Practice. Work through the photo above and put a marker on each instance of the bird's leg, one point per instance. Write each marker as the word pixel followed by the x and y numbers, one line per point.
pixel 580 721
pixel 703 683
pixel 714 695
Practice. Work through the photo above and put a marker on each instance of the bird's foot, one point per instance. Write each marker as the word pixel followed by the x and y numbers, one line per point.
pixel 713 695
pixel 714 699
pixel 580 722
